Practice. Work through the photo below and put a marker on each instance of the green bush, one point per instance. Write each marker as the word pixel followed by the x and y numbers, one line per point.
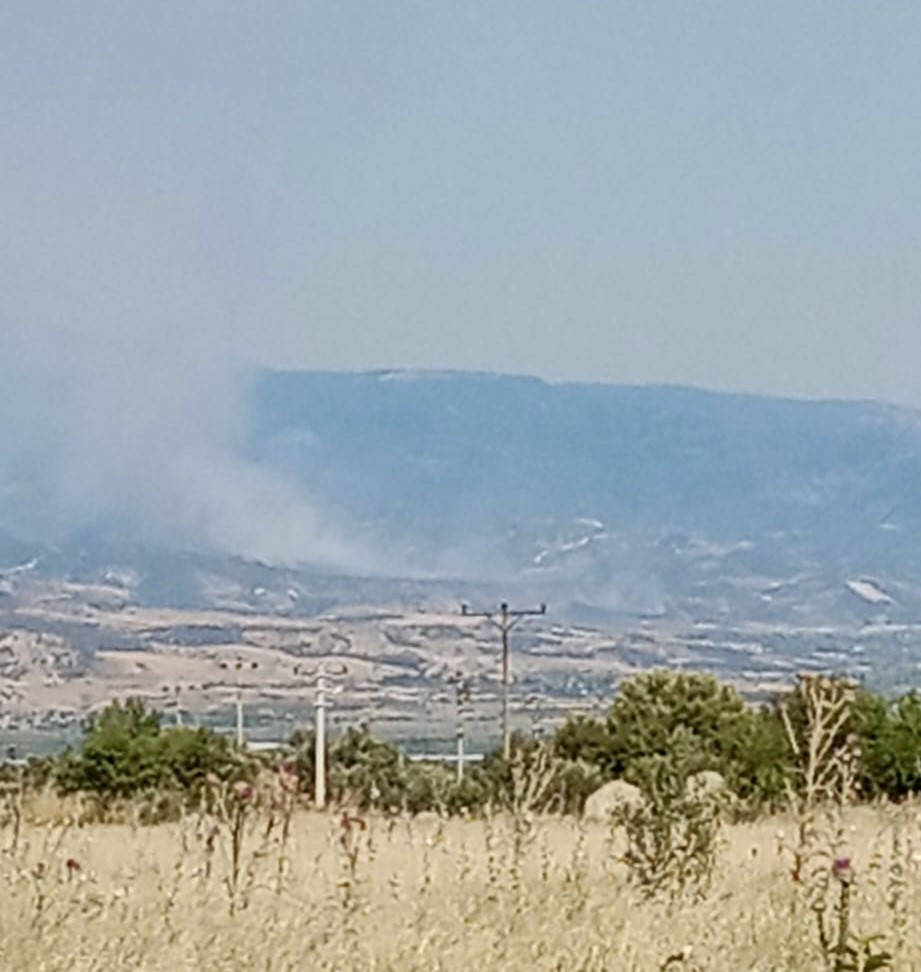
pixel 672 836
pixel 126 752
pixel 889 740
pixel 671 723
pixel 434 786
pixel 685 716
pixel 762 766
pixel 582 739
pixel 538 778
pixel 366 771
pixel 693 723
pixel 300 755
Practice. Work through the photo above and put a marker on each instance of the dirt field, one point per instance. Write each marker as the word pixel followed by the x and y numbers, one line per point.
pixel 426 895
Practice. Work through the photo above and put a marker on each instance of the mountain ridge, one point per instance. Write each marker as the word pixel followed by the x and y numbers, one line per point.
pixel 636 500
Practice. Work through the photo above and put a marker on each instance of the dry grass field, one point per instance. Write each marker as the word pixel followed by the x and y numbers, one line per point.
pixel 309 892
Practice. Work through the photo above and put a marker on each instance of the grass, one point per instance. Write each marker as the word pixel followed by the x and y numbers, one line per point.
pixel 427 894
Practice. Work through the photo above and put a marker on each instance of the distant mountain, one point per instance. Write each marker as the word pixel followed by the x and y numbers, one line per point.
pixel 643 499
pixel 607 500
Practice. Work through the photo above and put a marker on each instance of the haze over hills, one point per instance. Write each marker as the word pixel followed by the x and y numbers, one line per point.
pixel 606 500
pixel 644 500
pixel 747 536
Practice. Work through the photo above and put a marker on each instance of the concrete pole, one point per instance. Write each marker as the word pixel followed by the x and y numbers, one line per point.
pixel 240 738
pixel 319 759
pixel 460 754
pixel 506 731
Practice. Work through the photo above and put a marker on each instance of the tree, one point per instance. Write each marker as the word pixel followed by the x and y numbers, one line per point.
pixel 889 735
pixel 125 752
pixel 367 770
pixel 686 718
pixel 762 762
pixel 118 755
pixel 583 739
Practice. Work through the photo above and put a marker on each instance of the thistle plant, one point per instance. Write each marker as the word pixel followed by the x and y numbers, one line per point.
pixel 817 717
pixel 226 826
pixel 672 836
pixel 11 797
pixel 845 951
pixel 351 828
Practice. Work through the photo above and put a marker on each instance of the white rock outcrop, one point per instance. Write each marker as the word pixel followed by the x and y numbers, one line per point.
pixel 613 797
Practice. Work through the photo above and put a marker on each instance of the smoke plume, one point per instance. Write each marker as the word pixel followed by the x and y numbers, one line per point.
pixel 137 427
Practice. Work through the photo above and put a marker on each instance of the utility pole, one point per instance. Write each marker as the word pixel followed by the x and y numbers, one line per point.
pixel 319 749
pixel 461 708
pixel 241 738
pixel 505 619
pixel 238 665
pixel 319 752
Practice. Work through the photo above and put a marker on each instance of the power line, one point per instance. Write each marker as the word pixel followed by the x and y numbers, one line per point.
pixel 505 618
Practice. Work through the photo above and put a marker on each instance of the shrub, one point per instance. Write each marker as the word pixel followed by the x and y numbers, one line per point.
pixel 762 765
pixel 676 723
pixel 672 835
pixel 125 752
pixel 536 775
pixel 685 716
pixel 582 739
pixel 301 755
pixel 366 771
pixel 374 774
pixel 889 735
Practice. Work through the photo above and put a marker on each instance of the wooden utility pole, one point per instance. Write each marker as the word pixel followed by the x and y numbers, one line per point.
pixel 505 619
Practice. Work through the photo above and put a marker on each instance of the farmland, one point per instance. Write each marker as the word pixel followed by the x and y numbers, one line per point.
pixel 67 649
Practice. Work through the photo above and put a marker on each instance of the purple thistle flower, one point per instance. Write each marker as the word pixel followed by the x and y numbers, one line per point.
pixel 842 869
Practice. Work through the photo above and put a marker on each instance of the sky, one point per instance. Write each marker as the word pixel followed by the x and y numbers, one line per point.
pixel 718 193
pixel 722 194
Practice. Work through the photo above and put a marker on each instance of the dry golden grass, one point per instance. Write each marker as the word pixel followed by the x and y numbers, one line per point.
pixel 425 895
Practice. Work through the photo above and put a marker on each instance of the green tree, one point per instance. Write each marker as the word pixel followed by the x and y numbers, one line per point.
pixel 582 738
pixel 686 718
pixel 762 764
pixel 126 752
pixel 189 756
pixel 119 753
pixel 889 736
pixel 367 770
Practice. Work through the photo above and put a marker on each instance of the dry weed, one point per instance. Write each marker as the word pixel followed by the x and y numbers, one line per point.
pixel 326 892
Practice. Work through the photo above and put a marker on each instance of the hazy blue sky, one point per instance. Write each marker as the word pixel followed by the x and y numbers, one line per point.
pixel 725 194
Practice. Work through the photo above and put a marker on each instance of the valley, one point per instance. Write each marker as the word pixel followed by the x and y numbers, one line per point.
pixel 747 536
pixel 67 649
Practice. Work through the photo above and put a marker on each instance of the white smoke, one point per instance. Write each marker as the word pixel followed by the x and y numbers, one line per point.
pixel 141 428
pixel 141 250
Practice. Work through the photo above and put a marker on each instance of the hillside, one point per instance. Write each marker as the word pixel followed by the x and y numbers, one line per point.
pixel 746 536
pixel 646 500
pixel 609 502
